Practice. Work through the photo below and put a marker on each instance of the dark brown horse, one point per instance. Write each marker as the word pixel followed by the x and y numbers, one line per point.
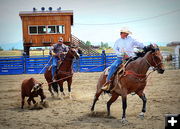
pixel 133 79
pixel 64 73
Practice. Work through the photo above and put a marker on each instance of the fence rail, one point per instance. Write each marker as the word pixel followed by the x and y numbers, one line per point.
pixel 36 64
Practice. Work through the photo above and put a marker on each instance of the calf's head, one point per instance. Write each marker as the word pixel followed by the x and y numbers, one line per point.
pixel 37 87
pixel 38 90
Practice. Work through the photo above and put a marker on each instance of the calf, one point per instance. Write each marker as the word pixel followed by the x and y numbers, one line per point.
pixel 31 88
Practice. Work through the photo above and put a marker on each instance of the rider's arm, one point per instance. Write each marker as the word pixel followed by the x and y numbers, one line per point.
pixel 137 44
pixel 51 51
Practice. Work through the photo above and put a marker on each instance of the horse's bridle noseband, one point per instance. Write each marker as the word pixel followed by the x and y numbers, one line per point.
pixel 156 64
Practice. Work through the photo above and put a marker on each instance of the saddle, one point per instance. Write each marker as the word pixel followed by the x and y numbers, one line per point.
pixel 58 66
pixel 120 71
pixel 121 67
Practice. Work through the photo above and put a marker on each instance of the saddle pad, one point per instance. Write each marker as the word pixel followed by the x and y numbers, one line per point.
pixel 106 71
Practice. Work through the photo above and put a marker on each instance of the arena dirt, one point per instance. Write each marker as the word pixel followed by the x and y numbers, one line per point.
pixel 162 93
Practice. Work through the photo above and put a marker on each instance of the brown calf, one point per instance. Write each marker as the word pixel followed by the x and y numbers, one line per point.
pixel 31 88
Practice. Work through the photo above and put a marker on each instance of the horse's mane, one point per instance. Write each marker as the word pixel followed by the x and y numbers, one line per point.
pixel 145 50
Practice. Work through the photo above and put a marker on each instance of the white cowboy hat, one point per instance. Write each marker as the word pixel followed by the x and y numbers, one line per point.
pixel 125 30
pixel 60 39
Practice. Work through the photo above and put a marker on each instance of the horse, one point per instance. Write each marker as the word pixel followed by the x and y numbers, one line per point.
pixel 131 80
pixel 64 73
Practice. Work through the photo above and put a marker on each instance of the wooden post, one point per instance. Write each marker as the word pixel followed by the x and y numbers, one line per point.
pixel 43 52
pixel 103 59
pixel 26 50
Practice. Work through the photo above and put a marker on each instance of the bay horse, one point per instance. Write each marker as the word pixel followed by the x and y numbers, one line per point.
pixel 133 79
pixel 64 73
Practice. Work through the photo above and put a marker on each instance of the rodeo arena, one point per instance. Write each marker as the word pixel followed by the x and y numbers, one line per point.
pixel 30 99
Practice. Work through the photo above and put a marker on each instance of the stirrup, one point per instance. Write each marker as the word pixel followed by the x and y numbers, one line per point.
pixel 53 79
pixel 106 86
pixel 133 93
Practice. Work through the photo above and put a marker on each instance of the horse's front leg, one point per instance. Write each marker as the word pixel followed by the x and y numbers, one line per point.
pixel 50 90
pixel 98 93
pixel 61 90
pixel 143 97
pixel 111 100
pixel 124 106
pixel 69 87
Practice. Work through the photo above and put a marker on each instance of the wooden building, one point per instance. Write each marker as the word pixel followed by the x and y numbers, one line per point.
pixel 45 27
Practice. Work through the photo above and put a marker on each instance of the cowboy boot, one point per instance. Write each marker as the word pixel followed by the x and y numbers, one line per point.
pixel 106 86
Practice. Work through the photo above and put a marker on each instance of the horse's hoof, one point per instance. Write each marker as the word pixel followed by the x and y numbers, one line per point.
pixel 61 98
pixel 45 104
pixel 124 121
pixel 36 104
pixel 70 96
pixel 141 115
pixel 52 95
pixel 62 94
pixel 92 110
pixel 57 95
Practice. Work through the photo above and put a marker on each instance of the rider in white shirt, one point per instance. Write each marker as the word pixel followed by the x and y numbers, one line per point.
pixel 124 48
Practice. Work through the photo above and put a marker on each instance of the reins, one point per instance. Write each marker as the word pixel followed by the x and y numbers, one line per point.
pixel 142 77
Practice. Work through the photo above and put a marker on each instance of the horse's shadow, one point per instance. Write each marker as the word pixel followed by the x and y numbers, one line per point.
pixel 99 119
pixel 99 115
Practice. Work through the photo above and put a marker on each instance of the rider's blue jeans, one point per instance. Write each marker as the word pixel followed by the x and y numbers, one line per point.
pixel 114 67
pixel 54 65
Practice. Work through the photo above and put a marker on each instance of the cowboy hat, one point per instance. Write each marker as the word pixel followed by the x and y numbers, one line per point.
pixel 125 30
pixel 60 39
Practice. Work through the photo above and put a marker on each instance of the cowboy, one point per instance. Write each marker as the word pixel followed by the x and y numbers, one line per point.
pixel 124 49
pixel 58 52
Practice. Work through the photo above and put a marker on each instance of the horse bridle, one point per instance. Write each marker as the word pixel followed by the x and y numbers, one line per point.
pixel 156 64
pixel 73 55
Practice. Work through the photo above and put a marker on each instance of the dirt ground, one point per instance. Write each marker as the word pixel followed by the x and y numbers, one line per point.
pixel 162 93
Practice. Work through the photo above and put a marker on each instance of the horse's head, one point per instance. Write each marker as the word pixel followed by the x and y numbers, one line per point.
pixel 73 51
pixel 155 59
